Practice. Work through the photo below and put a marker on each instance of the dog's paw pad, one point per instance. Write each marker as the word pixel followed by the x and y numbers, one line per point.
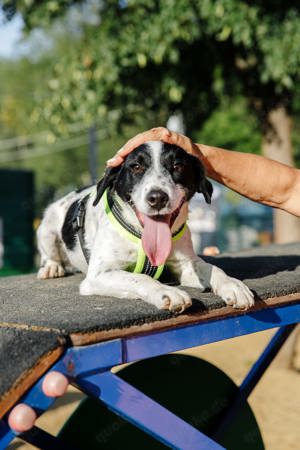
pixel 51 270
pixel 236 294
pixel 167 302
pixel 172 299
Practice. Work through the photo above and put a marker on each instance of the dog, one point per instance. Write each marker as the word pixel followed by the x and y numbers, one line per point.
pixel 123 231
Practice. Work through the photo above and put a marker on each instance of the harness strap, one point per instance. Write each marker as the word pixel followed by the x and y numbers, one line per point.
pixel 78 224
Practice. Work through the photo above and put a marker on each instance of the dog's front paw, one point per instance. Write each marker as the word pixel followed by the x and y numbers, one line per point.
pixel 171 298
pixel 52 269
pixel 235 293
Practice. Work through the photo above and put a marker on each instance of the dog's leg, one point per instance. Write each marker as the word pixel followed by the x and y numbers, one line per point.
pixel 234 292
pixel 118 283
pixel 193 271
pixel 50 249
pixel 198 273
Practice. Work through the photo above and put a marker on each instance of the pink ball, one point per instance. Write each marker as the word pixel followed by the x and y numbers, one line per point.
pixel 21 418
pixel 55 384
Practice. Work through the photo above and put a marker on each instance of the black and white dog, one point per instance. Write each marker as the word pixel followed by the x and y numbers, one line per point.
pixel 137 212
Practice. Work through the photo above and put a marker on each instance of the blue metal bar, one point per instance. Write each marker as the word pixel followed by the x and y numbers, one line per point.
pixel 265 359
pixel 253 377
pixel 80 361
pixel 6 435
pixel 143 412
pixel 180 338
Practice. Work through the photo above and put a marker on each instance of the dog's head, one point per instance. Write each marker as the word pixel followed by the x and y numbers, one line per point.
pixel 157 179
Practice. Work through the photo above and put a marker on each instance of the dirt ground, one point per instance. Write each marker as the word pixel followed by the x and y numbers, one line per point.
pixel 275 401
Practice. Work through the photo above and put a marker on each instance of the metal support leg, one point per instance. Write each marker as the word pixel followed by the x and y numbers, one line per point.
pixel 131 404
pixel 253 377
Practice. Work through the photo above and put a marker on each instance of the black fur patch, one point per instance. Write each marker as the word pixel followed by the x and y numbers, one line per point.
pixel 108 181
pixel 128 177
pixel 67 231
pixel 187 171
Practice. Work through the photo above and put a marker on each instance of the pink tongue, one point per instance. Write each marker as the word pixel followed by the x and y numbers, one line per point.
pixel 157 239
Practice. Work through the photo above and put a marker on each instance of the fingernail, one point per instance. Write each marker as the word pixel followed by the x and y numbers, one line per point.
pixel 112 160
pixel 116 161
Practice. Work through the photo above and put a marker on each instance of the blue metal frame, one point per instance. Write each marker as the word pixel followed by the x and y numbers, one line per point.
pixel 253 377
pixel 89 368
pixel 140 410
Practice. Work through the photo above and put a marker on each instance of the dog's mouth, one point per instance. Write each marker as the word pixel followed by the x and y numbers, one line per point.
pixel 157 235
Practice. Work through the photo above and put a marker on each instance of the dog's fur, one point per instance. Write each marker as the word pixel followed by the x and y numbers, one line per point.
pixel 153 167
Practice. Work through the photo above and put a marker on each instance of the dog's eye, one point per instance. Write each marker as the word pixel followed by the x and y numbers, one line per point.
pixel 178 167
pixel 136 168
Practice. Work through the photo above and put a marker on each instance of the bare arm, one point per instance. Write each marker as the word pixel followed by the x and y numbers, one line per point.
pixel 260 179
pixel 256 177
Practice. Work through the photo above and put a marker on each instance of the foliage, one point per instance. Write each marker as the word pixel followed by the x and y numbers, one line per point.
pixel 36 13
pixel 167 55
pixel 138 62
pixel 17 87
pixel 232 126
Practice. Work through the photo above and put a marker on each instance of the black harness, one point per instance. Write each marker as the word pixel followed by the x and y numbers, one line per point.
pixel 78 224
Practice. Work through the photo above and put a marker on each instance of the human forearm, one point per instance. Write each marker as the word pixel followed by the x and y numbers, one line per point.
pixel 256 177
pixel 260 179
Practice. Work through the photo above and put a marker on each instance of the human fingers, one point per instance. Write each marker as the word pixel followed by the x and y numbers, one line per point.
pixel 55 384
pixel 183 142
pixel 115 161
pixel 22 418
pixel 155 134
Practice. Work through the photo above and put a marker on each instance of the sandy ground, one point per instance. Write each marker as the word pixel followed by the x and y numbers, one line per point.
pixel 275 401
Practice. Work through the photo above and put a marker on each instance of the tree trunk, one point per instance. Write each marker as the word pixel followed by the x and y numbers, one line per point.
pixel 277 144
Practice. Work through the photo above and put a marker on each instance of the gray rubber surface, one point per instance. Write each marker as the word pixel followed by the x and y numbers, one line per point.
pixel 21 350
pixel 270 272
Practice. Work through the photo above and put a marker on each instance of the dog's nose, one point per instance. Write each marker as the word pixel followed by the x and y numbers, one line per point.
pixel 157 199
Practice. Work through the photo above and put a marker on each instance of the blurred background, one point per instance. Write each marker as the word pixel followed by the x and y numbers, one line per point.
pixel 79 78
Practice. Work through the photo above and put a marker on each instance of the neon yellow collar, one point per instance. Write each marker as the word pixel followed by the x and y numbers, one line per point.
pixel 143 265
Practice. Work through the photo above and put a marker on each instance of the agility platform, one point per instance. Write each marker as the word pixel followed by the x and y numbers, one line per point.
pixel 47 325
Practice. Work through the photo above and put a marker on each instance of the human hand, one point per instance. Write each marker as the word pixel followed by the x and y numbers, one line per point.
pixel 22 417
pixel 155 134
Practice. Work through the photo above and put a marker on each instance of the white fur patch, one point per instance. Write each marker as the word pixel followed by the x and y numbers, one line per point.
pixel 156 178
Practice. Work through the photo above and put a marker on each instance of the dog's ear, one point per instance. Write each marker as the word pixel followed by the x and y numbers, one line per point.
pixel 203 185
pixel 206 188
pixel 108 180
